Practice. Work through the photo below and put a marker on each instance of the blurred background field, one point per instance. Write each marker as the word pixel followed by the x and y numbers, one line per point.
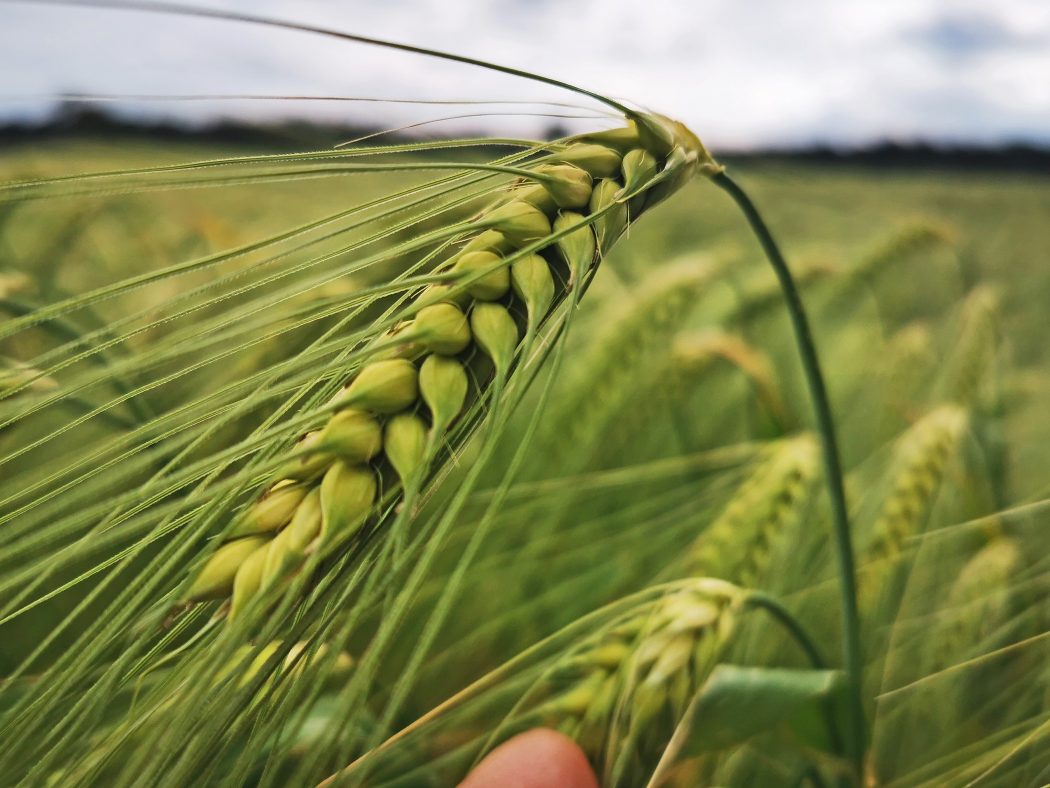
pixel 926 286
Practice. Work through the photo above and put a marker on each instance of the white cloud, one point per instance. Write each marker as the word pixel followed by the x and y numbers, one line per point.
pixel 740 72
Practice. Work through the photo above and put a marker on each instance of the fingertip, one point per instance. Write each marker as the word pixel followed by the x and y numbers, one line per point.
pixel 540 758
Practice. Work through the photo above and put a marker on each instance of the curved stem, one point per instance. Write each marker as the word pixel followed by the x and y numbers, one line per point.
pixel 794 627
pixel 851 646
pixel 791 624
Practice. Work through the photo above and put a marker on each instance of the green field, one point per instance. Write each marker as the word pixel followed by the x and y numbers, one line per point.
pixel 640 453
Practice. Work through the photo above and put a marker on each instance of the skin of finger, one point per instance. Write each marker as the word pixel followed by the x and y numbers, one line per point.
pixel 535 759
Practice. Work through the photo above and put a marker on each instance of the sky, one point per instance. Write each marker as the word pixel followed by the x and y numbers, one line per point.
pixel 741 73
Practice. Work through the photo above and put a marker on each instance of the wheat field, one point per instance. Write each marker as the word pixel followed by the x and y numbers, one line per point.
pixel 592 493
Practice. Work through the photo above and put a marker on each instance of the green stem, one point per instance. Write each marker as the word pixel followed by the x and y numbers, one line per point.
pixel 851 646
pixel 791 624
pixel 794 627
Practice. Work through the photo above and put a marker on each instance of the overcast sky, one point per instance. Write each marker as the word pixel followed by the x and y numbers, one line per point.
pixel 740 72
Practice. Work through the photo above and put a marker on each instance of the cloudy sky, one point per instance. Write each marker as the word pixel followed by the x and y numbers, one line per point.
pixel 740 72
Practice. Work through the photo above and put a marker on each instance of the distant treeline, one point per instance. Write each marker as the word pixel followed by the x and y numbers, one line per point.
pixel 77 121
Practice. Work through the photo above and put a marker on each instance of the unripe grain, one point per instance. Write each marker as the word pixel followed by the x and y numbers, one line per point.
pixel 382 387
pixel 272 511
pixel 598 160
pixel 495 332
pixel 577 247
pixel 348 492
pixel 443 386
pixel 492 285
pixel 442 328
pixel 248 581
pixel 569 185
pixel 521 222
pixel 216 578
pixel 352 435
pixel 533 284
pixel 405 441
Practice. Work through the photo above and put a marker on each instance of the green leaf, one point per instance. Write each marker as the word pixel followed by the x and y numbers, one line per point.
pixel 736 703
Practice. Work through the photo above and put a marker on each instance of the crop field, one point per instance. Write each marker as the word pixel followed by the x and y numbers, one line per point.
pixel 591 491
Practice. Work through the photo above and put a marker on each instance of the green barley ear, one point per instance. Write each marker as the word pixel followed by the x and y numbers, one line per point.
pixel 492 285
pixel 441 328
pixel 347 493
pixel 737 546
pixel 405 443
pixel 496 333
pixel 443 386
pixel 216 578
pixel 382 387
pixel 631 681
pixel 920 459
